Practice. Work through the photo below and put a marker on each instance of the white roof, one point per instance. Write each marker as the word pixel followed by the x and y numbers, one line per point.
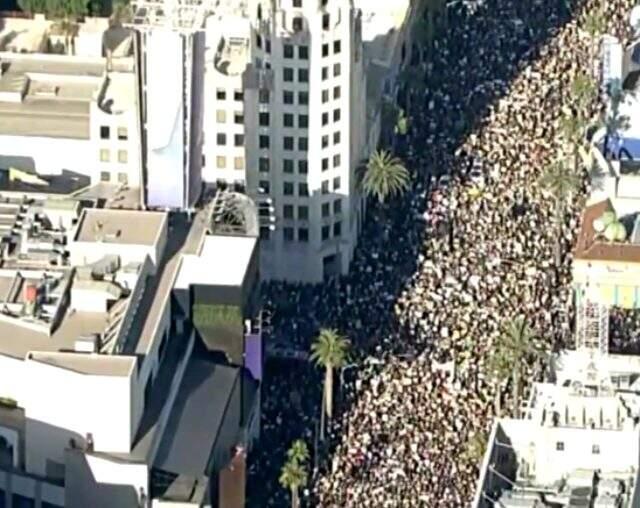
pixel 223 261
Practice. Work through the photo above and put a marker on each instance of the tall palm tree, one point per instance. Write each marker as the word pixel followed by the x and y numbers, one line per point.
pixel 384 176
pixel 584 91
pixel 330 350
pixel 293 475
pixel 298 451
pixel 517 343
pixel 499 367
pixel 594 24
pixel 561 184
pixel 573 129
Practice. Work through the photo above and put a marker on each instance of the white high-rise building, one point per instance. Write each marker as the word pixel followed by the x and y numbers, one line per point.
pixel 285 112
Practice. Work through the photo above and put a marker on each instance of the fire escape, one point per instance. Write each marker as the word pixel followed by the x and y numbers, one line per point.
pixel 592 327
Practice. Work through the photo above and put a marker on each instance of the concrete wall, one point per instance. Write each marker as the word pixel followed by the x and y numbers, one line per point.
pixel 73 403
pixel 82 253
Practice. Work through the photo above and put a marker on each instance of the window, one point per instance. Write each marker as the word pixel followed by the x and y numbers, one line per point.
pixel 288 234
pixel 303 167
pixel 325 141
pixel 238 118
pixel 336 115
pixel 264 164
pixel 325 49
pixel 122 156
pixel 221 162
pixel 326 20
pixel 265 233
pixel 259 40
pixel 336 160
pixel 287 211
pixel 560 446
pixel 287 74
pixel 268 49
pixel 238 95
pixel 325 73
pixel 303 52
pixel 265 186
pixel 303 144
pixel 287 166
pixel 325 96
pixel 337 229
pixel 337 206
pixel 336 183
pixel 287 120
pixel 263 119
pixel 221 94
pixel 325 233
pixel 288 143
pixel 336 92
pixel 104 155
pixel 297 24
pixel 123 135
pixel 105 176
pixel 336 137
pixel 325 163
pixel 221 116
pixel 238 162
pixel 336 70
pixel 595 449
pixel 303 75
pixel 123 178
pixel 264 96
pixel 297 3
pixel 287 189
pixel 303 121
pixel 287 97
pixel 288 51
pixel 221 138
pixel 238 139
pixel 325 118
pixel 263 141
pixel 337 47
pixel 324 209
pixel 303 190
pixel 105 132
pixel 303 98
pixel 303 212
pixel 303 235
pixel 325 187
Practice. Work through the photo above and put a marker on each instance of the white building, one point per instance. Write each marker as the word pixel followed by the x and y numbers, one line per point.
pixel 577 442
pixel 97 343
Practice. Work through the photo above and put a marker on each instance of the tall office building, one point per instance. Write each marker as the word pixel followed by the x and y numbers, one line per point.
pixel 286 113
pixel 170 57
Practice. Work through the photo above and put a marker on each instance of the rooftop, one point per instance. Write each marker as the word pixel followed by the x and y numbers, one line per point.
pixel 131 227
pixel 50 95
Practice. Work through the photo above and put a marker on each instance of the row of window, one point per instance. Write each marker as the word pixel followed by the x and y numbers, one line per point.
pixel 105 156
pixel 221 139
pixel 288 233
pixel 595 449
pixel 221 162
pixel 264 165
pixel 221 95
pixel 303 51
pixel 288 143
pixel 288 188
pixel 122 133
pixel 106 176
pixel 303 210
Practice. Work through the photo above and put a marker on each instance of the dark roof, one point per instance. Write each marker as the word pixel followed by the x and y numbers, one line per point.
pixel 196 416
pixel 589 248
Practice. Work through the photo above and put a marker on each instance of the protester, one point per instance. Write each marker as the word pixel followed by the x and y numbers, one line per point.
pixel 435 282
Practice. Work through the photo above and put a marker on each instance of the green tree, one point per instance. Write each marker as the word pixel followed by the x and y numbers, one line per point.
pixel 499 368
pixel 517 344
pixel 121 12
pixel 401 123
pixel 476 446
pixel 384 176
pixel 558 181
pixel 594 24
pixel 33 6
pixel 330 350
pixel 293 474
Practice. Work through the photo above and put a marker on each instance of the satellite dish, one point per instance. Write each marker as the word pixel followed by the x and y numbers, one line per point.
pixel 634 18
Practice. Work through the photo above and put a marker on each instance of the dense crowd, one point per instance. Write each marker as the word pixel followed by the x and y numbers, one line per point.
pixel 438 273
pixel 624 330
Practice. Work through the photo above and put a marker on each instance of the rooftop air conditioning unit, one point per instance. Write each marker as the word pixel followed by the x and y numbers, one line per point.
pixel 87 343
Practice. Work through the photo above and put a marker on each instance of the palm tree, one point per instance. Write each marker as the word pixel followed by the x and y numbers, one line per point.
pixel 594 24
pixel 561 184
pixel 121 12
pixel 499 367
pixel 517 343
pixel 293 475
pixel 476 447
pixel 298 451
pixel 572 129
pixel 384 176
pixel 584 91
pixel 330 350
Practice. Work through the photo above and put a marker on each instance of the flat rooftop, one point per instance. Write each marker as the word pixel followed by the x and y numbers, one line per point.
pixel 131 227
pixel 222 261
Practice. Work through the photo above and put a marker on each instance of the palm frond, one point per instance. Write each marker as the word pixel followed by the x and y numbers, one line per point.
pixel 385 176
pixel 329 349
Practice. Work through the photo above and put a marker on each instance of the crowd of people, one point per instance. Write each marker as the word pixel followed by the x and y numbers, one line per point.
pixel 438 275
